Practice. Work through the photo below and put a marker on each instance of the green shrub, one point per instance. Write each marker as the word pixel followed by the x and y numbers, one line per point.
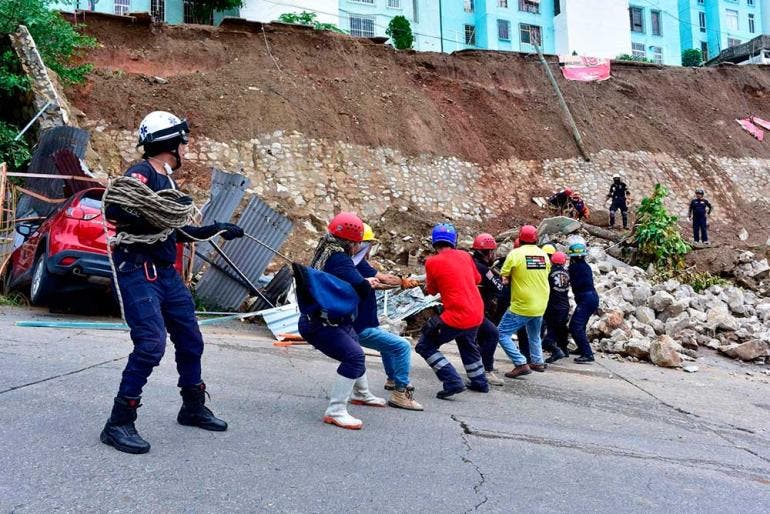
pixel 633 58
pixel 656 233
pixel 14 153
pixel 309 19
pixel 699 281
pixel 692 57
pixel 400 32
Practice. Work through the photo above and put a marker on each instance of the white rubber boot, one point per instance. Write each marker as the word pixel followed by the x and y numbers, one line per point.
pixel 363 396
pixel 337 412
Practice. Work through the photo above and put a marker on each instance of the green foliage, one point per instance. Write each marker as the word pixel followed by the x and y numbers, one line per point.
pixel 12 300
pixel 627 57
pixel 309 19
pixel 656 233
pixel 699 281
pixel 14 153
pixel 692 57
pixel 400 32
pixel 57 41
pixel 203 10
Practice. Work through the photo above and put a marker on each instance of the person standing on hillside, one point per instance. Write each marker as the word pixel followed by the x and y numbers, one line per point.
pixel 699 212
pixel 452 274
pixel 526 268
pixel 619 194
pixel 581 279
pixel 491 287
pixel 396 352
pixel 156 304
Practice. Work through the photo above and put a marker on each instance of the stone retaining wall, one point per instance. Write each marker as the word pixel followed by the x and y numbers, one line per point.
pixel 301 175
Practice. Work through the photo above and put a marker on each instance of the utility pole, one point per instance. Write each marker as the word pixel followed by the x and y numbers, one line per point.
pixel 562 101
pixel 441 25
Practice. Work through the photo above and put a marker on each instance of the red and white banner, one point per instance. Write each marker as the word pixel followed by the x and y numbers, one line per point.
pixel 760 122
pixel 585 69
pixel 752 129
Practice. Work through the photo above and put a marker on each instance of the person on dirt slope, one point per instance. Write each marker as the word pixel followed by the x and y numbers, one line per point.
pixel 452 274
pixel 154 298
pixel 580 207
pixel 699 212
pixel 619 194
pixel 556 314
pixel 396 352
pixel 561 200
pixel 526 268
pixel 491 288
pixel 586 299
pixel 337 338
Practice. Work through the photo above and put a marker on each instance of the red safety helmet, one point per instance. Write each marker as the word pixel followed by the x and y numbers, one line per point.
pixel 568 191
pixel 346 225
pixel 559 258
pixel 484 242
pixel 528 234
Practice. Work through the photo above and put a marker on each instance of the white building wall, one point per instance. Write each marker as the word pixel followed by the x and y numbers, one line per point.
pixel 765 4
pixel 595 28
pixel 327 11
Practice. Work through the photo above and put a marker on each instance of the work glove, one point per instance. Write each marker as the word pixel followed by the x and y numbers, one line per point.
pixel 184 200
pixel 231 231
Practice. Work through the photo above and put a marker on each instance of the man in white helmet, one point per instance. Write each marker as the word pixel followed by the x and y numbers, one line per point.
pixel 155 300
pixel 619 194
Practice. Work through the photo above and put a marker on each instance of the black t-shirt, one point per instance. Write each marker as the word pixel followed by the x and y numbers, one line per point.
pixel 558 280
pixel 699 207
pixel 618 191
pixel 491 287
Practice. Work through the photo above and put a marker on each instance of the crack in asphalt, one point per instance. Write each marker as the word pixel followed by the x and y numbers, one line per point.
pixel 466 431
pixel 61 375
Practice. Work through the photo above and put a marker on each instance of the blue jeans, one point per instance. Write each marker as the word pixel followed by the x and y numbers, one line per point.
pixel 509 325
pixel 396 353
pixel 152 309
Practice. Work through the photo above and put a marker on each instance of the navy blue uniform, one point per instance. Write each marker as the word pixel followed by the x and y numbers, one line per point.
pixel 618 193
pixel 699 211
pixel 491 289
pixel 557 312
pixel 155 300
pixel 586 302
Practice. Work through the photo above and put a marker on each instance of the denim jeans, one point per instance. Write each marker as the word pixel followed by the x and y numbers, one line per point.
pixel 396 353
pixel 509 325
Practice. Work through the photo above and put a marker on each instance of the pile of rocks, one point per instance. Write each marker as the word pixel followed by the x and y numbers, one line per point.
pixel 753 272
pixel 666 323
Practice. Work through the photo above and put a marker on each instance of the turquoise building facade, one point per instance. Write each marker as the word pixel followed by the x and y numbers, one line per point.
pixel 713 25
pixel 655 31
pixel 169 11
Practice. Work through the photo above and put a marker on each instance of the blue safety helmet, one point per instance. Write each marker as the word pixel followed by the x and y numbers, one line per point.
pixel 577 250
pixel 444 233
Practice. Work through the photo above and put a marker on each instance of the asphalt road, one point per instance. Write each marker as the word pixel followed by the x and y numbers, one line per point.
pixel 613 437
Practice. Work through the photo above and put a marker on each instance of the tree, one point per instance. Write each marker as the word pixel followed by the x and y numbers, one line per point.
pixel 57 40
pixel 203 10
pixel 692 57
pixel 400 32
pixel 309 19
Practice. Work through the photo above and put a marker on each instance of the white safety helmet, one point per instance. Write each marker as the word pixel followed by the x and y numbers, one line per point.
pixel 616 176
pixel 162 126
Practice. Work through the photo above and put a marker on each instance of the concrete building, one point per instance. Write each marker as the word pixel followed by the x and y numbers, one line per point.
pixel 370 18
pixel 654 27
pixel 326 11
pixel 714 25
pixel 168 11
pixel 579 30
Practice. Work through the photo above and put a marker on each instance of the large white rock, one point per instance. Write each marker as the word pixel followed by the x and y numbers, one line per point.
pixel 677 324
pixel 747 351
pixel 735 300
pixel 660 301
pixel 638 347
pixel 763 311
pixel 645 315
pixel 663 353
pixel 641 292
pixel 718 319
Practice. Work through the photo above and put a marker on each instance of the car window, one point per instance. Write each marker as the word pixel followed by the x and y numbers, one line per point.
pixel 92 203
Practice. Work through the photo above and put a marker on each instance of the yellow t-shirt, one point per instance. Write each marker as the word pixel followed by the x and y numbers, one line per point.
pixel 527 268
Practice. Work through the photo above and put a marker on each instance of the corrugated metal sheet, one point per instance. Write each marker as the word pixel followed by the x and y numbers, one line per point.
pixel 265 224
pixel 282 320
pixel 227 190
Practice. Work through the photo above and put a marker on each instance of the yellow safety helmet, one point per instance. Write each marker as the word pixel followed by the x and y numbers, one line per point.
pixel 549 249
pixel 368 233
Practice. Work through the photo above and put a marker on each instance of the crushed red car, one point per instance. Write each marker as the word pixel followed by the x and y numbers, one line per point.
pixel 67 251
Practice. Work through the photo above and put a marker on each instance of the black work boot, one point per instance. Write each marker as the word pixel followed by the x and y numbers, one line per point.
pixel 194 413
pixel 120 432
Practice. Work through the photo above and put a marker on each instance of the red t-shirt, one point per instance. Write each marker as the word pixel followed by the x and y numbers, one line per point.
pixel 453 274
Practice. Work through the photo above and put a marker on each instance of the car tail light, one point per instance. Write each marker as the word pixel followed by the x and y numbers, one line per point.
pixel 79 214
pixel 66 261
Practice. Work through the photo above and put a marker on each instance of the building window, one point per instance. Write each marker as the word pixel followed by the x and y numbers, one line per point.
pixel 529 6
pixel 702 21
pixel 470 35
pixel 657 54
pixel 158 10
pixel 637 20
pixel 504 30
pixel 731 19
pixel 529 34
pixel 750 3
pixel 468 5
pixel 655 22
pixel 556 7
pixel 638 51
pixel 362 1
pixel 394 4
pixel 751 23
pixel 701 2
pixel 704 50
pixel 362 26
pixel 732 42
pixel 502 3
pixel 122 6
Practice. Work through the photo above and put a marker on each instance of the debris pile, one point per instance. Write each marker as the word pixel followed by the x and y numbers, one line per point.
pixel 667 323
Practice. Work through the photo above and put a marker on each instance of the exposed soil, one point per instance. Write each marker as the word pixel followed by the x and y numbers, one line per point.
pixel 481 106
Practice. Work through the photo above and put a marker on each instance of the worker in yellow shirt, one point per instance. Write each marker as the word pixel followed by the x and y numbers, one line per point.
pixel 526 268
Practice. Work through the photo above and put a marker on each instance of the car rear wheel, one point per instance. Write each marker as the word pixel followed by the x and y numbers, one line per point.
pixel 42 282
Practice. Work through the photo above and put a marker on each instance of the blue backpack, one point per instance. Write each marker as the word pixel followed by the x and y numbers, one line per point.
pixel 336 298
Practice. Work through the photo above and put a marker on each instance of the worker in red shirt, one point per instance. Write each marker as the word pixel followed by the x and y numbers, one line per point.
pixel 452 274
